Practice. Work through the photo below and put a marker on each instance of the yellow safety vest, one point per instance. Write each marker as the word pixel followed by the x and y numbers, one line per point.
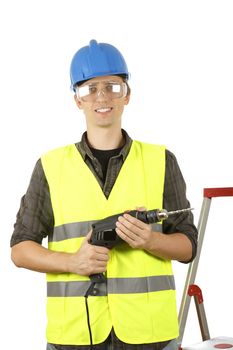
pixel 139 298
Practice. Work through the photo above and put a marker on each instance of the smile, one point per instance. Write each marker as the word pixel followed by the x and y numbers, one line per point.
pixel 103 110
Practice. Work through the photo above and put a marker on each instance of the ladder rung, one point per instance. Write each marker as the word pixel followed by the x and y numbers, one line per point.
pixel 218 192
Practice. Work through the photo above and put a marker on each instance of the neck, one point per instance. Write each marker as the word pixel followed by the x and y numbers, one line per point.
pixel 105 139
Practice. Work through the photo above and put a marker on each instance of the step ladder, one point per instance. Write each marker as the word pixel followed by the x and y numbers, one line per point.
pixel 192 290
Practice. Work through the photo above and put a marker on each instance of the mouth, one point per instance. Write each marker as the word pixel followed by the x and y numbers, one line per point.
pixel 103 110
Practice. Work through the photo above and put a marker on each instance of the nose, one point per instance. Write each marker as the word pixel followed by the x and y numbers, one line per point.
pixel 101 91
pixel 101 95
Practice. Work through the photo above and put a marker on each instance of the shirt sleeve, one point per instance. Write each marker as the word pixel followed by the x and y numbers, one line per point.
pixel 35 218
pixel 175 198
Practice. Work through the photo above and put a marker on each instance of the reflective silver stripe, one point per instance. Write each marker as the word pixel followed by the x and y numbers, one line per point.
pixel 73 230
pixel 114 286
pixel 80 229
pixel 140 284
pixel 50 347
pixel 74 289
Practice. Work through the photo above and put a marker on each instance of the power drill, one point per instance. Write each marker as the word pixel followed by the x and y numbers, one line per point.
pixel 104 233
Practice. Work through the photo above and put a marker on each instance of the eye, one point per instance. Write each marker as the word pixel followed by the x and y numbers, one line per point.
pixel 92 89
pixel 109 87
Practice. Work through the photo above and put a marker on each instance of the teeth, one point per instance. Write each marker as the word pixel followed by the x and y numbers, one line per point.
pixel 103 110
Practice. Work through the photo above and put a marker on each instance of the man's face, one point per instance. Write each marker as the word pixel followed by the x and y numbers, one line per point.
pixel 102 100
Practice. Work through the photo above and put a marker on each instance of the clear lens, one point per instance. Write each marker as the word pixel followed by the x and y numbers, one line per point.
pixel 112 90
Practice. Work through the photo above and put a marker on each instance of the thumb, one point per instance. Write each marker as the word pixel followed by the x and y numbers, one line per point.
pixel 88 236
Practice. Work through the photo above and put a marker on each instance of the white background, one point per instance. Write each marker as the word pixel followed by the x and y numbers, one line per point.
pixel 180 55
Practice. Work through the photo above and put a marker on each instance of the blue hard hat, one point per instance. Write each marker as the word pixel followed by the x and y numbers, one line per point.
pixel 96 60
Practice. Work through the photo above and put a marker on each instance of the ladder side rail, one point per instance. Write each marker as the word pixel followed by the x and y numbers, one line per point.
pixel 196 292
pixel 192 271
pixel 202 320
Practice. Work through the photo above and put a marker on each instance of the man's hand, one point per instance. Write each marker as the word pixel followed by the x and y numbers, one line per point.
pixel 135 232
pixel 89 259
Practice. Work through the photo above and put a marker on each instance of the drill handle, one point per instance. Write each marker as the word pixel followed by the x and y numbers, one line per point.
pixel 97 278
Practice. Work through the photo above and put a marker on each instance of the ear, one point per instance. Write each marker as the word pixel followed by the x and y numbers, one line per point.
pixel 127 98
pixel 78 102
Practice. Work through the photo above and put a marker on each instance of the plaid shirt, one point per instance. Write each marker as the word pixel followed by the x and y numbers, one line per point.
pixel 35 219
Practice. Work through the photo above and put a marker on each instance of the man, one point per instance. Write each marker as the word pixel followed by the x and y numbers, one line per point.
pixel 72 187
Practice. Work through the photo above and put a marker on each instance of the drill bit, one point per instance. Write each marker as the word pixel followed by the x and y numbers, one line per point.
pixel 174 212
pixel 164 214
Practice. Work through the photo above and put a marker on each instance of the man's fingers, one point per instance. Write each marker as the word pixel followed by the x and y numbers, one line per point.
pixel 102 257
pixel 131 222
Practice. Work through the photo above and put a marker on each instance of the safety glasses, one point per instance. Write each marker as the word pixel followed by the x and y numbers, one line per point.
pixel 110 89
